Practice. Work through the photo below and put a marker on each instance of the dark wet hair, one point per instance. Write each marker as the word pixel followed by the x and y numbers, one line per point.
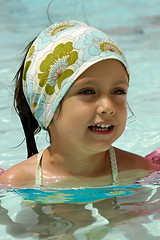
pixel 29 123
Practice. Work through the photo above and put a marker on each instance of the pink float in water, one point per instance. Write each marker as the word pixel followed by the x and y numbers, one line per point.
pixel 1 171
pixel 154 157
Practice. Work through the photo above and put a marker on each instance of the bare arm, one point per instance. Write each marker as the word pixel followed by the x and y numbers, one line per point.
pixel 20 174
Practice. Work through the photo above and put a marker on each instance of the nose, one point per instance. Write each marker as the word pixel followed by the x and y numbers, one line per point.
pixel 105 106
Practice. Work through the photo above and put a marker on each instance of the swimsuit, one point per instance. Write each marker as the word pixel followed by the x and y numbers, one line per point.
pixel 114 168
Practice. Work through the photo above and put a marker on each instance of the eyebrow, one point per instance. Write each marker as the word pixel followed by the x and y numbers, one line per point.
pixel 85 81
pixel 122 82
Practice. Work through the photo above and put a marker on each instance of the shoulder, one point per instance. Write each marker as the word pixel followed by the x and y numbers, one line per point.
pixel 20 173
pixel 127 160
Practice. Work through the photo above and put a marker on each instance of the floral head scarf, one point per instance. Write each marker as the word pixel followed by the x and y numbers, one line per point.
pixel 58 56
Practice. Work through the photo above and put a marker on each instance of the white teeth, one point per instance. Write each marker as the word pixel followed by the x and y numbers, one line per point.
pixel 102 125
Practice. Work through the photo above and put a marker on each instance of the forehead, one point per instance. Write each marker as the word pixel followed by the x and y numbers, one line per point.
pixel 110 67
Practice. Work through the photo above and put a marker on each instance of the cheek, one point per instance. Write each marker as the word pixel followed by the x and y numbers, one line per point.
pixel 74 107
pixel 125 111
pixel 66 114
pixel 121 103
pixel 122 109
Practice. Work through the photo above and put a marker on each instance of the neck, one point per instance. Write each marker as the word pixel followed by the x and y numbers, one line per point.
pixel 79 163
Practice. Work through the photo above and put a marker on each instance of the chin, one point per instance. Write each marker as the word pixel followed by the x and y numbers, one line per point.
pixel 102 148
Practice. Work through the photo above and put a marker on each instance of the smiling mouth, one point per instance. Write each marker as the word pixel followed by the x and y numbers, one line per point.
pixel 101 128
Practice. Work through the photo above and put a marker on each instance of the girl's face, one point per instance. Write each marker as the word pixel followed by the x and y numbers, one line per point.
pixel 94 110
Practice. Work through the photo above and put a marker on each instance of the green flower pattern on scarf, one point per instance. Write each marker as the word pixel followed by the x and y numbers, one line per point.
pixel 55 67
pixel 108 46
pixel 28 63
pixel 61 28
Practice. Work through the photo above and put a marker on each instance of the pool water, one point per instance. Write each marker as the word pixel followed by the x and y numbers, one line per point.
pixel 135 25
pixel 121 212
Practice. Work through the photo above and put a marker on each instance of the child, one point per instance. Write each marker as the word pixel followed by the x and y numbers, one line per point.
pixel 73 83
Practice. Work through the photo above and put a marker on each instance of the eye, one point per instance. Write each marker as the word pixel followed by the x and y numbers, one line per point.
pixel 87 91
pixel 119 92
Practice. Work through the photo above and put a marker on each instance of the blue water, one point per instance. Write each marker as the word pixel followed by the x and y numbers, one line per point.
pixel 135 25
pixel 107 213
